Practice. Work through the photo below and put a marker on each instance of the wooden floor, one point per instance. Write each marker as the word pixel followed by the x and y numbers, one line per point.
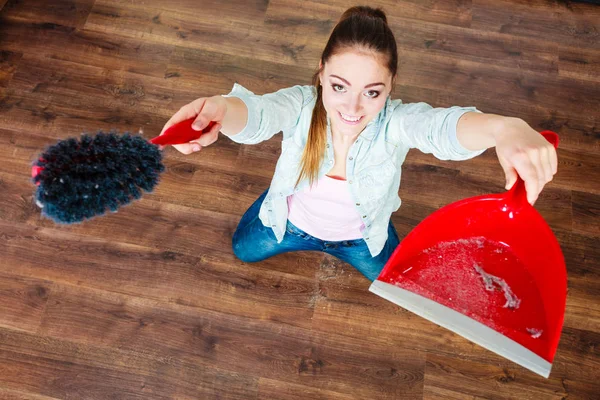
pixel 150 303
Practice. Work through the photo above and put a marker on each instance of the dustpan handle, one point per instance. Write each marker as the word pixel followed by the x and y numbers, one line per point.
pixel 517 195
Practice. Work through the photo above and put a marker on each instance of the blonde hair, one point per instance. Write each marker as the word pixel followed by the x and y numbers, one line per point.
pixel 362 27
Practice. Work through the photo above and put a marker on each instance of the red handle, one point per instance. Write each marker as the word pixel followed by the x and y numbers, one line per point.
pixel 181 133
pixel 517 195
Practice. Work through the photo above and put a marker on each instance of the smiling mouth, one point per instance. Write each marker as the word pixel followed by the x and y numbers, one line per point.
pixel 349 119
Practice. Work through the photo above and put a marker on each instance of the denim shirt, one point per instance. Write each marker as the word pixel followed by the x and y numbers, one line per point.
pixel 373 165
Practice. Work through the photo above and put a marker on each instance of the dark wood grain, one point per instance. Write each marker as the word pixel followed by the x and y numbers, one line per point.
pixel 8 66
pixel 586 213
pixel 24 300
pixel 72 13
pixel 151 303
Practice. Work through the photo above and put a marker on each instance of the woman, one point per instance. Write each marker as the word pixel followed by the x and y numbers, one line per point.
pixel 344 141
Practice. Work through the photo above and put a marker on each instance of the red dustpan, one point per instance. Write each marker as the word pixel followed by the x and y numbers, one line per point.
pixel 488 268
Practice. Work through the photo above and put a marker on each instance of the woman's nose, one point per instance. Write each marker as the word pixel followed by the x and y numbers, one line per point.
pixel 354 106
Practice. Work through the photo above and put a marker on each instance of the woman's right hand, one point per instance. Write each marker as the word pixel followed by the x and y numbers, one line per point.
pixel 205 110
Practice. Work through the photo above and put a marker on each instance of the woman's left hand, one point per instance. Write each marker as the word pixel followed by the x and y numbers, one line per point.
pixel 523 151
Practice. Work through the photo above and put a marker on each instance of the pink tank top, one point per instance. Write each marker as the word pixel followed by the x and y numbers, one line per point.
pixel 326 211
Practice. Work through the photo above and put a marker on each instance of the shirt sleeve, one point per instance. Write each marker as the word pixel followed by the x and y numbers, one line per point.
pixel 270 113
pixel 433 130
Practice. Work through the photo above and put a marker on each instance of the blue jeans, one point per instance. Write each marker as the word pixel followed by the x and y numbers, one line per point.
pixel 252 242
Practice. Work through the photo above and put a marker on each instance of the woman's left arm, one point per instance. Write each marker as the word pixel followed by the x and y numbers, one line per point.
pixel 521 150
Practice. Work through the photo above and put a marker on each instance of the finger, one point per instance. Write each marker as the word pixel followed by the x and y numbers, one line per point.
pixel 537 160
pixel 208 113
pixel 187 148
pixel 553 160
pixel 529 173
pixel 532 189
pixel 547 164
pixel 188 111
pixel 509 172
pixel 532 186
pixel 206 139
pixel 211 136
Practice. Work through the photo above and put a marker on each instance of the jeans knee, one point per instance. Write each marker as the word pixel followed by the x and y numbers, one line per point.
pixel 242 252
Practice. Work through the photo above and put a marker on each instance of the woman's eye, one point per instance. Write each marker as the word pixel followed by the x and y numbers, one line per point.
pixel 337 88
pixel 372 94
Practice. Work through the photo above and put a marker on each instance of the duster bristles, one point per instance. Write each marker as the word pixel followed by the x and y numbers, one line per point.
pixel 84 178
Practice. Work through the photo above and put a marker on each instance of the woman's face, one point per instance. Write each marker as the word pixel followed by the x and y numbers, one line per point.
pixel 355 88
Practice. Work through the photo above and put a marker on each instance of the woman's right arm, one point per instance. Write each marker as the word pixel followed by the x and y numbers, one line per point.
pixel 243 116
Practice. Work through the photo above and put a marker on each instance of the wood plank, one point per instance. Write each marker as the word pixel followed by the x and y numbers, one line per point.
pixel 114 52
pixel 577 361
pixel 436 11
pixel 57 368
pixel 237 10
pixel 578 63
pixel 586 212
pixel 582 258
pixel 213 281
pixel 239 33
pixel 272 389
pixel 270 350
pixel 488 81
pixel 462 43
pixel 9 394
pixel 410 214
pixel 71 13
pixel 435 341
pixel 458 379
pixel 572 24
pixel 209 73
pixel 54 101
pixel 22 299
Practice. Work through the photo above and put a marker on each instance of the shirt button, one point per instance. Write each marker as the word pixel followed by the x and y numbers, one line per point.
pixel 350 182
pixel 358 204
pixel 350 158
pixel 366 238
pixel 270 210
pixel 364 216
